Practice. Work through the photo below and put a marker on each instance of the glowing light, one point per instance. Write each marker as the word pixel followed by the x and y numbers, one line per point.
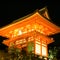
pixel 38 49
pixel 38 42
pixel 18 42
pixel 23 40
pixel 43 44
pixel 43 50
pixel 15 32
pixel 19 32
pixel 30 39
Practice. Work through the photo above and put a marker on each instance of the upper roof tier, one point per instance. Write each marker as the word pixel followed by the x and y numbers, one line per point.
pixel 38 20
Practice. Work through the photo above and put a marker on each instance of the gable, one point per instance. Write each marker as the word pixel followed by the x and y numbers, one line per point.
pixel 44 13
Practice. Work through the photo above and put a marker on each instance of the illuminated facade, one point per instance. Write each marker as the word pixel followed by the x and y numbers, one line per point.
pixel 34 28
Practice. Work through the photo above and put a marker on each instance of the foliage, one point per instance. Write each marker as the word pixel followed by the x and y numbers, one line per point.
pixel 17 54
pixel 22 54
pixel 30 46
pixel 58 54
pixel 53 53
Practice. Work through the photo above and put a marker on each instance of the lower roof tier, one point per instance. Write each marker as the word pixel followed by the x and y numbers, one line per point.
pixel 33 35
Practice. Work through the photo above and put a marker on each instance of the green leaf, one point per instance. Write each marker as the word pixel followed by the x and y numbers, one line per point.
pixel 30 46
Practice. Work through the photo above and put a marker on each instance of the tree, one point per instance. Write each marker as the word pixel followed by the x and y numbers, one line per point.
pixel 21 54
pixel 54 52
pixel 58 54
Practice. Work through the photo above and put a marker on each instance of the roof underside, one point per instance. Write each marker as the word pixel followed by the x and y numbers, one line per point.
pixel 33 34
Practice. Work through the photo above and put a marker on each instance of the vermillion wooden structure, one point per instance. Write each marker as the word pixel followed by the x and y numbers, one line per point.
pixel 36 27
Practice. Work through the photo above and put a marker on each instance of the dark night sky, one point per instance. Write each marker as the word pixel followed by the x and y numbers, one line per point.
pixel 11 11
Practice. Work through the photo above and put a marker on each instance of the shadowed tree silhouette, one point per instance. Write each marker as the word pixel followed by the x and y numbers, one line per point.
pixel 2 46
pixel 58 55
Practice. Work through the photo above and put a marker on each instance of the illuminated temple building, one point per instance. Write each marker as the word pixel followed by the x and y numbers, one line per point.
pixel 34 28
